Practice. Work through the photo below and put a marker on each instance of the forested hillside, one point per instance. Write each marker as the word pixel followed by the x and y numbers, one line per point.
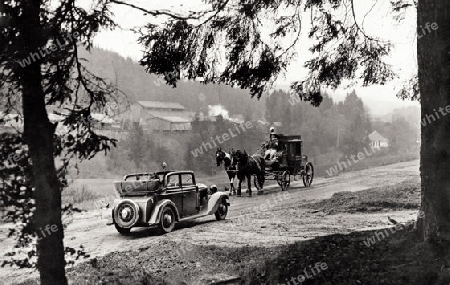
pixel 195 96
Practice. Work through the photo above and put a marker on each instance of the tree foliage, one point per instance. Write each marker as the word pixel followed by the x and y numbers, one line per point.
pixel 249 44
pixel 332 127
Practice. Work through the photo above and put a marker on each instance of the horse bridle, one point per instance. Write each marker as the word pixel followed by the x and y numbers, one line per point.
pixel 220 156
pixel 239 157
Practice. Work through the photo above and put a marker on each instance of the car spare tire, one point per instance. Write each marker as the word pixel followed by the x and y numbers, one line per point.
pixel 126 214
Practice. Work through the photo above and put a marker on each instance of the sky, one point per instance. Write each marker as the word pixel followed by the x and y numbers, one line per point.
pixel 373 15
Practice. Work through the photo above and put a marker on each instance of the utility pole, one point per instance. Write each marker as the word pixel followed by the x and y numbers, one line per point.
pixel 337 141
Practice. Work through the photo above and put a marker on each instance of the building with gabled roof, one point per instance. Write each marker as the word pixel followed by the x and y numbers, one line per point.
pixel 376 140
pixel 158 116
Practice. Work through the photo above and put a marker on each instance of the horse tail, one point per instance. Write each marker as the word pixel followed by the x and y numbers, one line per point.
pixel 261 165
pixel 259 160
pixel 263 171
pixel 240 177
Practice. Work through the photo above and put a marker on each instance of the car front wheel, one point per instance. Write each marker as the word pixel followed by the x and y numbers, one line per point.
pixel 222 211
pixel 167 221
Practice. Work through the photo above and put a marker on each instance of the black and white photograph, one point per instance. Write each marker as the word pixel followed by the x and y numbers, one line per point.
pixel 224 142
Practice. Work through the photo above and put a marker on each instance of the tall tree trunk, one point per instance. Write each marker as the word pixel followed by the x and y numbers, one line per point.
pixel 38 134
pixel 433 50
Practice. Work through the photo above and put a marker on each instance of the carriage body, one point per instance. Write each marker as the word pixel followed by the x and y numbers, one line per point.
pixel 292 158
pixel 292 162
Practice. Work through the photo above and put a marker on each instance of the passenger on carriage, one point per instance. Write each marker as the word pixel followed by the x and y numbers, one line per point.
pixel 273 135
pixel 273 152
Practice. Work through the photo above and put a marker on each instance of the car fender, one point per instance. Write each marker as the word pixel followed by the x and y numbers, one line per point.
pixel 215 200
pixel 157 211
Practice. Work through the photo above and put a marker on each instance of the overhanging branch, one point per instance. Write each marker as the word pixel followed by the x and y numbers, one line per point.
pixel 159 12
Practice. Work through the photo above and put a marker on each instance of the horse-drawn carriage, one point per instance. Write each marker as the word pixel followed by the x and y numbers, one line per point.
pixel 285 160
pixel 289 161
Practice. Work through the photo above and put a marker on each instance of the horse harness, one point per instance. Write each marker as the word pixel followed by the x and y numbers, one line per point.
pixel 255 162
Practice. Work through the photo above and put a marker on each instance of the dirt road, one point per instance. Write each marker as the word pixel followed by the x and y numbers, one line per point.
pixel 283 220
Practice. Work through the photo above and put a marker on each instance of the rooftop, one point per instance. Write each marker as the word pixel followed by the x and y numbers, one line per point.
pixel 161 105
pixel 174 119
pixel 376 136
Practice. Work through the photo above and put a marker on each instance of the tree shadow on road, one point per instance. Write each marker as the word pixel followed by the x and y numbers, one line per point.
pixel 398 258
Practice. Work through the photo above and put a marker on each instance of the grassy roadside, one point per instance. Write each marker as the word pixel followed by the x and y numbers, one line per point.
pixel 368 162
pixel 401 196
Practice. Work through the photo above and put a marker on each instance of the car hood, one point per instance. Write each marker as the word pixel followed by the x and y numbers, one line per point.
pixel 201 186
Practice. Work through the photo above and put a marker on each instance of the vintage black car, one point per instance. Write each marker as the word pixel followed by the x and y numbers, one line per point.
pixel 161 199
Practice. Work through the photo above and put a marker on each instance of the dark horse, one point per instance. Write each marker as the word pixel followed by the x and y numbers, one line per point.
pixel 224 157
pixel 247 166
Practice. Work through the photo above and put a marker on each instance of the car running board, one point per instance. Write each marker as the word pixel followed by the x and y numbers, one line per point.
pixel 199 215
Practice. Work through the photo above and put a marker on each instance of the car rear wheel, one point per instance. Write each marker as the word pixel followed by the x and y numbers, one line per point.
pixel 167 221
pixel 222 211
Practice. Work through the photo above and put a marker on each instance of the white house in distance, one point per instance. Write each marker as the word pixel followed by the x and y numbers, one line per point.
pixel 376 140
pixel 158 116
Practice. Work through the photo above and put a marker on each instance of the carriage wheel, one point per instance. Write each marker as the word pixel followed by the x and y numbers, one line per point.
pixel 285 180
pixel 297 170
pixel 308 175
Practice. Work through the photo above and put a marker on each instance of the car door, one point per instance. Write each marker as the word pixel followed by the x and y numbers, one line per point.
pixel 173 191
pixel 190 194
